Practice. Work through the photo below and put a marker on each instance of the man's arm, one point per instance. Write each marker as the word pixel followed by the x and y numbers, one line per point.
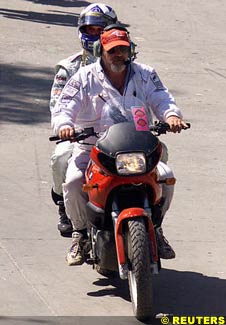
pixel 59 82
pixel 67 107
pixel 163 104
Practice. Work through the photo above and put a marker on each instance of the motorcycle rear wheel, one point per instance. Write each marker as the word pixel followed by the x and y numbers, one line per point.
pixel 139 275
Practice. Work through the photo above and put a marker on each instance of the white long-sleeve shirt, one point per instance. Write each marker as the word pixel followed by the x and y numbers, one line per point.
pixel 83 97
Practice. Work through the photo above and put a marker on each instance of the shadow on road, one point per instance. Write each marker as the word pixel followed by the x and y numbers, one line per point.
pixel 62 19
pixel 71 320
pixel 176 292
pixel 56 18
pixel 61 3
pixel 25 92
pixel 113 287
pixel 189 293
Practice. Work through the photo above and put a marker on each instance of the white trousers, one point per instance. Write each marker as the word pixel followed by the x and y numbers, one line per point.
pixel 59 163
pixel 76 199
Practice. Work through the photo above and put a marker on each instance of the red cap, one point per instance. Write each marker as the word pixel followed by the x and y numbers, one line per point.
pixel 114 37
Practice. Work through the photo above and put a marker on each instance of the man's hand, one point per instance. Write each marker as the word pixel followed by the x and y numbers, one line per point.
pixel 66 132
pixel 176 124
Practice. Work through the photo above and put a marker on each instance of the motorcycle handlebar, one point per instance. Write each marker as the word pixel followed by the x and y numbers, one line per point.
pixel 158 128
pixel 54 138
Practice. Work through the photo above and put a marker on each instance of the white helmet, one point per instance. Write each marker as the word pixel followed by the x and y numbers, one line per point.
pixel 97 14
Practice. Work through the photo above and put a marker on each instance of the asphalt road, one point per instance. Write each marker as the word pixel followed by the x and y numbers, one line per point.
pixel 185 41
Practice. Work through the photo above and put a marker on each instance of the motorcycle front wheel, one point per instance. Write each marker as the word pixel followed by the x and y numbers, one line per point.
pixel 139 275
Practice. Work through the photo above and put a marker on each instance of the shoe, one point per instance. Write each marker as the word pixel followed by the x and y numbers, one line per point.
pixel 105 272
pixel 64 224
pixel 75 256
pixel 164 249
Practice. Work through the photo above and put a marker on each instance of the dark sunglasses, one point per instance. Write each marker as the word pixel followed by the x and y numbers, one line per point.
pixel 121 48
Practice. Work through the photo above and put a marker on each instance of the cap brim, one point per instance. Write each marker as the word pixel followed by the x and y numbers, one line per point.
pixel 109 46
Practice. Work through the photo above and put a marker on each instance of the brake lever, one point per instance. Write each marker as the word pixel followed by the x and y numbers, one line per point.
pixel 162 128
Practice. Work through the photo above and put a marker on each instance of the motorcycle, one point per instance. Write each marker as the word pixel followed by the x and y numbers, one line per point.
pixel 125 197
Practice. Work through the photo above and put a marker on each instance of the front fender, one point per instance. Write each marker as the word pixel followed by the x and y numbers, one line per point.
pixel 127 214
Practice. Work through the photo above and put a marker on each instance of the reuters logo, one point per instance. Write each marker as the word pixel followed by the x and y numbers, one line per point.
pixel 165 320
pixel 191 320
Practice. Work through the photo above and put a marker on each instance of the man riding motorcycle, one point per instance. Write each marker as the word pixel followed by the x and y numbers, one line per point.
pixel 81 103
pixel 91 23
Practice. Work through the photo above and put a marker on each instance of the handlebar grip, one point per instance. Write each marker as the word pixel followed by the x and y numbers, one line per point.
pixel 189 126
pixel 78 136
pixel 54 138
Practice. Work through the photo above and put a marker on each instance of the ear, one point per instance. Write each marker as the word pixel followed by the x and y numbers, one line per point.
pixel 132 49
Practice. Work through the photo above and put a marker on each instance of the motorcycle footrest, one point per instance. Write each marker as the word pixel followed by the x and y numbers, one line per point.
pixel 90 261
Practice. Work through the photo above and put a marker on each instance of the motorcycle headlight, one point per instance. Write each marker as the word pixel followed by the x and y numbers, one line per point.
pixel 131 163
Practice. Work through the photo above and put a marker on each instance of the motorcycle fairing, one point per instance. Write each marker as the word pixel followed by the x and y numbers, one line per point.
pixel 123 137
pixel 102 184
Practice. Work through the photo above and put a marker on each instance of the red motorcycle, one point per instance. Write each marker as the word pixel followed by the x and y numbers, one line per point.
pixel 125 197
